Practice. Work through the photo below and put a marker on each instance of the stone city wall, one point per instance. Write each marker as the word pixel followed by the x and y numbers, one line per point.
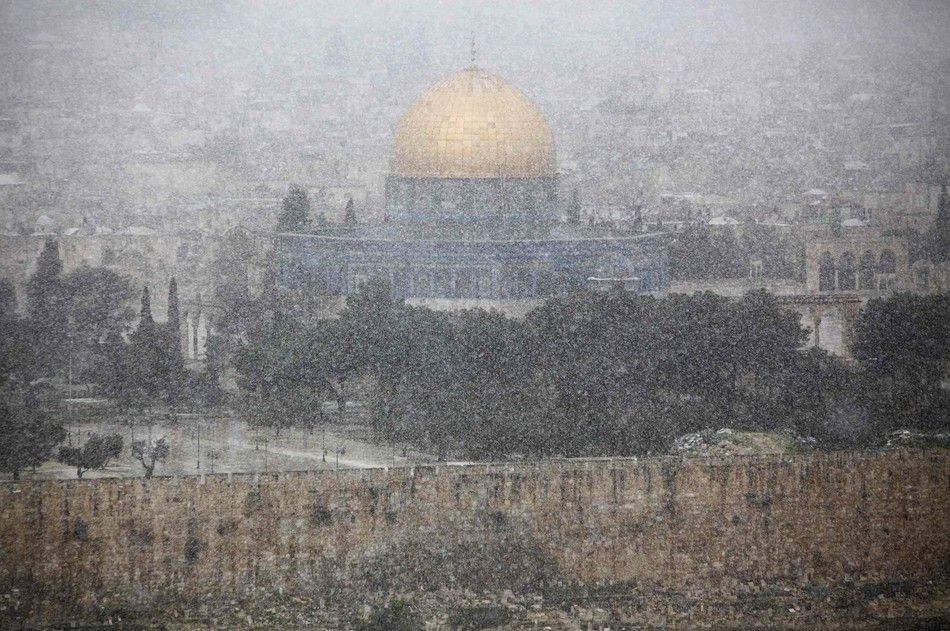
pixel 694 523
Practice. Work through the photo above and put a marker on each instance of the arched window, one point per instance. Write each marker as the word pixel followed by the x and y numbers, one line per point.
pixel 826 272
pixel 435 198
pixel 866 272
pixel 846 272
pixel 888 262
pixel 464 284
pixel 467 204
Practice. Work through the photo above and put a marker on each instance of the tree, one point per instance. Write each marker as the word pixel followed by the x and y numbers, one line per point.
pixel 145 353
pixel 145 313
pixel 95 454
pixel 283 384
pixel 29 432
pixel 46 307
pixel 120 376
pixel 294 211
pixel 154 366
pixel 940 237
pixel 232 291
pixel 17 353
pixel 818 392
pixel 349 213
pixel 206 386
pixel 149 453
pixel 903 344
pixel 7 299
pixel 97 304
pixel 574 208
pixel 173 364
pixel 173 321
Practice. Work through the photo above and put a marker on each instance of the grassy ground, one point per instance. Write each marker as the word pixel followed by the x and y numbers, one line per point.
pixel 221 442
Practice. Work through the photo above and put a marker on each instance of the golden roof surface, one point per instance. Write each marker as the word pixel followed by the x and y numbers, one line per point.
pixel 473 124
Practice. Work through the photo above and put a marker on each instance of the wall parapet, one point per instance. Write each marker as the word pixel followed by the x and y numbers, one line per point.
pixel 671 521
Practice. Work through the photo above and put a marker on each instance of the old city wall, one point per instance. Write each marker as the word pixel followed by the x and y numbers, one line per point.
pixel 699 522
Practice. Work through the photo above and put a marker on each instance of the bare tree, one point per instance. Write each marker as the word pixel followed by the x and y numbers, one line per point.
pixel 150 453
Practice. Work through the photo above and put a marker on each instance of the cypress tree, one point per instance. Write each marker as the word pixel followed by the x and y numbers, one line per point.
pixel 7 300
pixel 145 316
pixel 349 213
pixel 46 306
pixel 941 238
pixel 174 317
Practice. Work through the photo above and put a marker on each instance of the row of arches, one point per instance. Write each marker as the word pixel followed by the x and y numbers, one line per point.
pixel 870 273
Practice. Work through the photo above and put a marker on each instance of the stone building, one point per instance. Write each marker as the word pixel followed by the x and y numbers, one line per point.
pixel 843 270
pixel 859 259
pixel 472 215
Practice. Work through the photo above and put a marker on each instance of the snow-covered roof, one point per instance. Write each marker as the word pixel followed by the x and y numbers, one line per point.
pixel 816 191
pixel 853 223
pixel 10 179
pixel 723 220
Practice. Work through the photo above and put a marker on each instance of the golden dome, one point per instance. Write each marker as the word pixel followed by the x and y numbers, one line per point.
pixel 473 124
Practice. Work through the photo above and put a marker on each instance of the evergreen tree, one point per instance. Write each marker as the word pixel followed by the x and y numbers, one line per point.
pixel 95 454
pixel 146 351
pixel 7 299
pixel 231 284
pixel 940 249
pixel 574 208
pixel 349 213
pixel 174 318
pixel 46 307
pixel 294 211
pixel 97 304
pixel 155 367
pixel 145 316
pixel 17 351
pixel 29 432
pixel 903 344
pixel 173 321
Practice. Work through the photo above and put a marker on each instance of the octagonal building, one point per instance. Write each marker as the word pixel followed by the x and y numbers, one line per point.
pixel 472 216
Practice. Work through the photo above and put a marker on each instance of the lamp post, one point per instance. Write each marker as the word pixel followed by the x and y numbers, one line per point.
pixel 212 455
pixel 198 433
pixel 69 377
